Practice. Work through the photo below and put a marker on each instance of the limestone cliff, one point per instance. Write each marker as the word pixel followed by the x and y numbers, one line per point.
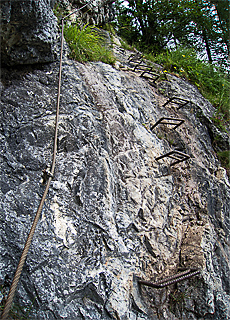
pixel 113 214
pixel 29 31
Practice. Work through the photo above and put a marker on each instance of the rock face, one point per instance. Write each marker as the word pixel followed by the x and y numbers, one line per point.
pixel 96 12
pixel 113 214
pixel 29 32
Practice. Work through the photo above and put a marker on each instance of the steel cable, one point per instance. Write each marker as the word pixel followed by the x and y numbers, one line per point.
pixel 10 297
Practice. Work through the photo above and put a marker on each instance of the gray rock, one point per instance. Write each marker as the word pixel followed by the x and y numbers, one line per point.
pixel 113 213
pixel 202 108
pixel 96 12
pixel 29 32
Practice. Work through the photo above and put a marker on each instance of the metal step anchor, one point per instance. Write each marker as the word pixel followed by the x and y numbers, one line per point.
pixel 179 101
pixel 135 57
pixel 176 155
pixel 150 75
pixel 170 121
pixel 171 280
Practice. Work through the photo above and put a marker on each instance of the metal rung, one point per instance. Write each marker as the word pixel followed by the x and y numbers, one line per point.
pixel 135 56
pixel 152 82
pixel 179 101
pixel 144 68
pixel 176 123
pixel 171 280
pixel 141 66
pixel 137 66
pixel 136 61
pixel 176 155
pixel 175 158
pixel 152 74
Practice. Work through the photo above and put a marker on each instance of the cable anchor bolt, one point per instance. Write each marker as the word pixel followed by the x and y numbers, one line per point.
pixel 46 174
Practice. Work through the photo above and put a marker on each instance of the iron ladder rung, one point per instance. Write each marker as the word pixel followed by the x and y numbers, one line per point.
pixel 176 100
pixel 160 121
pixel 176 155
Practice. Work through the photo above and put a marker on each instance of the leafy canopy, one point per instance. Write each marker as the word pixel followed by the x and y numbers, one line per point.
pixel 154 25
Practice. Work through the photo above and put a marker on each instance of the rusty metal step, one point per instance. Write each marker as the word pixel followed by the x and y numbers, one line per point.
pixel 179 101
pixel 176 155
pixel 170 121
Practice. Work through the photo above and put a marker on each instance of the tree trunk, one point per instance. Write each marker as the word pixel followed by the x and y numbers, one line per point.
pixel 205 38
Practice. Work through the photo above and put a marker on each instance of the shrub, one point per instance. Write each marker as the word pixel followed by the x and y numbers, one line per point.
pixel 60 10
pixel 126 46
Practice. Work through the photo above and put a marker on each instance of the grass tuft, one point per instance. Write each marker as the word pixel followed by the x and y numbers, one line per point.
pixel 88 44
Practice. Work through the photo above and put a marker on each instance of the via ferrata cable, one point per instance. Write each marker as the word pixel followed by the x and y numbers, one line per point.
pixel 10 297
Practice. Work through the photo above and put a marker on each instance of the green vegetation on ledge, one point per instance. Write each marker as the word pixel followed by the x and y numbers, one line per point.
pixel 213 83
pixel 88 44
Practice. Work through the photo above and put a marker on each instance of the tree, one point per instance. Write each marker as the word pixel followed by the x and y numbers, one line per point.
pixel 153 25
pixel 222 11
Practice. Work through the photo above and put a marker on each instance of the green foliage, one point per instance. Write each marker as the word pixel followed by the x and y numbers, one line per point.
pixel 126 46
pixel 137 23
pixel 60 11
pixel 224 157
pixel 177 299
pixel 17 312
pixel 110 28
pixel 151 25
pixel 88 44
pixel 179 296
pixel 212 82
pixel 219 119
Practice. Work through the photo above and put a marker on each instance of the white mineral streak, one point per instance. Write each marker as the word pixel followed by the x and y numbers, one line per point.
pixel 62 223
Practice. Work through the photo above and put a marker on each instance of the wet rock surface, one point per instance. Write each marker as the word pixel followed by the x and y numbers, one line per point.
pixel 113 213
